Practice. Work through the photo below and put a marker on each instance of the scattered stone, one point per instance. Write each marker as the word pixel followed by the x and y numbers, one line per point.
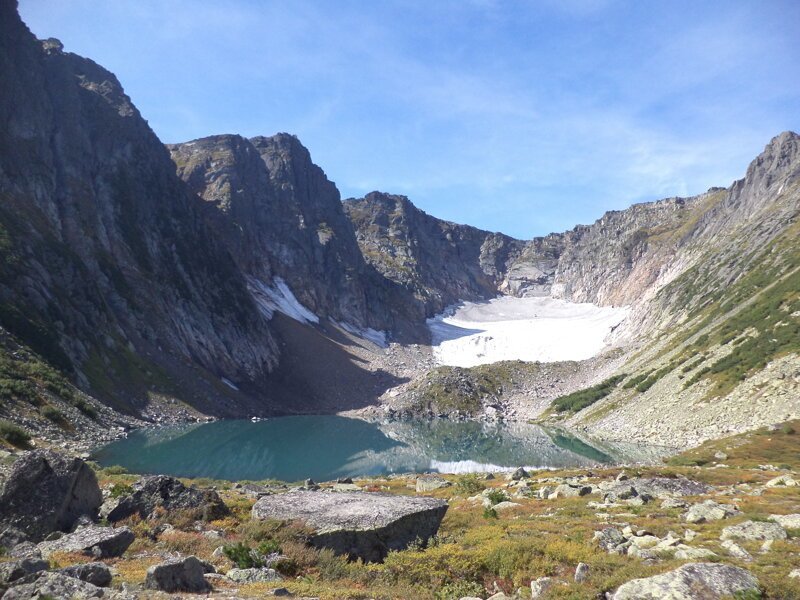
pixel 709 511
pixel 344 480
pixel 181 575
pixel 710 581
pixel 674 503
pixel 659 487
pixel 95 573
pixel 253 575
pixel 310 484
pixel 782 481
pixel 787 521
pixel 505 505
pixel 520 473
pixel 623 476
pixel 360 524
pixel 46 492
pixel 429 483
pixel 25 550
pixel 346 487
pixel 683 552
pixel 282 592
pixel 794 574
pixel 611 540
pixel 719 455
pixel 540 586
pixel 566 490
pixel 99 542
pixel 581 572
pixel 50 584
pixel 168 493
pixel 754 531
pixel 736 551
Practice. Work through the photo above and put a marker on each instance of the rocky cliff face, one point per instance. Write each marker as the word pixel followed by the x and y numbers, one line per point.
pixel 282 219
pixel 109 268
pixel 439 262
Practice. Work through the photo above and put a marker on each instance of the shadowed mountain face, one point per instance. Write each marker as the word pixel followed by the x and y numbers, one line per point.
pixel 109 267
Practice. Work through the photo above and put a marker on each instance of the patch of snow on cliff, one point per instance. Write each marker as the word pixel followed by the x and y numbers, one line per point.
pixel 279 298
pixel 529 329
pixel 371 335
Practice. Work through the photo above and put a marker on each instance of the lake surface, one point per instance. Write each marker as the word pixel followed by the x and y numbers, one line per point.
pixel 325 447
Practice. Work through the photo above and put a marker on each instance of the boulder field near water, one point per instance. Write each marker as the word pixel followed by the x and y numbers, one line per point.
pixel 358 524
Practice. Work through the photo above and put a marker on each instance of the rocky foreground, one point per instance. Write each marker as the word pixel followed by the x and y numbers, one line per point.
pixel 722 521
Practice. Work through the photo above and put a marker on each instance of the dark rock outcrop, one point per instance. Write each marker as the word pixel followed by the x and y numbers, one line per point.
pixel 46 492
pixel 96 573
pixel 14 570
pixel 167 493
pixel 49 584
pixel 439 262
pixel 358 524
pixel 116 275
pixel 180 575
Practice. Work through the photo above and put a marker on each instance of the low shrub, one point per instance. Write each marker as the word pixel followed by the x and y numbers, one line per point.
pixel 577 401
pixel 14 435
pixel 469 484
pixel 53 414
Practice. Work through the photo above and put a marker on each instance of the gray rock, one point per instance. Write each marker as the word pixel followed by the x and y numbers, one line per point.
pixel 25 550
pixel 566 490
pixel 99 542
pixel 252 575
pixel 520 473
pixel 54 585
pixel 736 551
pixel 360 524
pixel 794 574
pixel 674 503
pixel 754 531
pixel 180 575
pixel 709 581
pixel 540 586
pixel 95 573
pixel 783 481
pixel 46 492
pixel 659 487
pixel 709 511
pixel 684 552
pixel 14 570
pixel 581 573
pixel 611 540
pixel 787 521
pixel 429 483
pixel 168 493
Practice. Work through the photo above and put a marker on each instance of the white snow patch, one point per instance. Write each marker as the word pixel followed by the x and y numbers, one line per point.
pixel 471 466
pixel 279 298
pixel 529 329
pixel 372 335
pixel 229 383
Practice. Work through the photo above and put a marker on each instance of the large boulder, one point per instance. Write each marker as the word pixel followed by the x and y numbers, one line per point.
pixel 95 573
pixel 13 570
pixel 49 584
pixel 181 575
pixel 429 483
pixel 360 524
pixel 253 575
pixel 709 581
pixel 787 521
pixel 754 531
pixel 98 542
pixel 709 511
pixel 46 492
pixel 169 494
pixel 656 487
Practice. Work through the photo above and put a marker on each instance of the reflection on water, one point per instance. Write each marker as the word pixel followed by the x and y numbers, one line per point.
pixel 325 447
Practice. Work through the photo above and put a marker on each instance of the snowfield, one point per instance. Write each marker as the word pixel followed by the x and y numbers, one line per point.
pixel 529 329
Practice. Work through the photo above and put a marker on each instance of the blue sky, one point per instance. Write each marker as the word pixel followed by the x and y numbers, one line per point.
pixel 521 117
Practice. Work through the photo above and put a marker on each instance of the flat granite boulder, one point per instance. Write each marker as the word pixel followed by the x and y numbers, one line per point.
pixel 169 494
pixel 692 581
pixel 360 524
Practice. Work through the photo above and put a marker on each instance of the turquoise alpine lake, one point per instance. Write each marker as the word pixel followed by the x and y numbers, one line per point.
pixel 326 447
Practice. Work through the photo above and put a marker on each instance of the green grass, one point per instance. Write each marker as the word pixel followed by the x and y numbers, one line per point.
pixel 579 400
